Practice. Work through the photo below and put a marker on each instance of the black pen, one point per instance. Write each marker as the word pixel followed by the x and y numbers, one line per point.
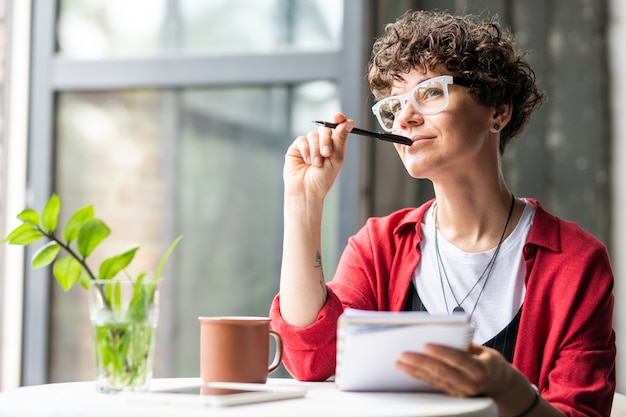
pixel 378 135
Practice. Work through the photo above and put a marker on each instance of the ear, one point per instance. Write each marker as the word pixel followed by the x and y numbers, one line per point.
pixel 501 116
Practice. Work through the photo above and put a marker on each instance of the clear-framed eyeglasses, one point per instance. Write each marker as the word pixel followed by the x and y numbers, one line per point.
pixel 428 97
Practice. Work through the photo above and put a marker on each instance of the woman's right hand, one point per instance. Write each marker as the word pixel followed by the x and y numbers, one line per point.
pixel 312 162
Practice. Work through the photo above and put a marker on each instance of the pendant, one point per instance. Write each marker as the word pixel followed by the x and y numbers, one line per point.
pixel 459 309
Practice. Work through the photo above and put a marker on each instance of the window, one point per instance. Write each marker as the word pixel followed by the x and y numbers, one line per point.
pixel 173 117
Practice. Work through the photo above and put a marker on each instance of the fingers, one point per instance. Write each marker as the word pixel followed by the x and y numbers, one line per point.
pixel 332 142
pixel 466 362
pixel 312 148
pixel 453 371
pixel 438 374
pixel 324 143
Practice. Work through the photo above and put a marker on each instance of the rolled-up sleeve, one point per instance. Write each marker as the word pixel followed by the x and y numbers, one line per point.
pixel 309 353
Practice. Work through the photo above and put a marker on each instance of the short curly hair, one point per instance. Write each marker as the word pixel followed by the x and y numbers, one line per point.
pixel 466 46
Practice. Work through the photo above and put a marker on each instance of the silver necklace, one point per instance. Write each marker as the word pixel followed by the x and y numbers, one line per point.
pixel 486 273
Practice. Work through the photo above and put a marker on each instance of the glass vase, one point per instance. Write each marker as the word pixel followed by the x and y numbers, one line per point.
pixel 124 317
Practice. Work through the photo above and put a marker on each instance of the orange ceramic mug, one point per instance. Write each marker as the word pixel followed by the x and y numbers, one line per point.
pixel 236 349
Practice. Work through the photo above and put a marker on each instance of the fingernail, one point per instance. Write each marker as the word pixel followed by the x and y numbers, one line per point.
pixel 326 150
pixel 317 161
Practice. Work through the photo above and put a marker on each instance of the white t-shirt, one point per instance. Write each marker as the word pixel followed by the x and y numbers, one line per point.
pixel 504 289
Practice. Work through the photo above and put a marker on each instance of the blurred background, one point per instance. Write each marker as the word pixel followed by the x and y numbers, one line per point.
pixel 173 116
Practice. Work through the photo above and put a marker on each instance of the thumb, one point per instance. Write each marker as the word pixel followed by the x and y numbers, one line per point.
pixel 344 127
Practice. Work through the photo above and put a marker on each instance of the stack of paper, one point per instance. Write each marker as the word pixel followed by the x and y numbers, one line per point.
pixel 370 342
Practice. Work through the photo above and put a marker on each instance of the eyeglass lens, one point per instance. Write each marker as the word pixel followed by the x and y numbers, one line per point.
pixel 429 97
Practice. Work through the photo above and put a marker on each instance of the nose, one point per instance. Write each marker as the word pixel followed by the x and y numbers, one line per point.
pixel 409 116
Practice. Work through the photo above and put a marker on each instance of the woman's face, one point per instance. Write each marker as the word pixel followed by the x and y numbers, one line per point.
pixel 451 142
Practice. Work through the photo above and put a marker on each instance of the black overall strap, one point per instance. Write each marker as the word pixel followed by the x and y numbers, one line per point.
pixel 503 342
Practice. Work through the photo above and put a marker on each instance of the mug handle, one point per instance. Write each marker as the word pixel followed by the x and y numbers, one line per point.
pixel 278 356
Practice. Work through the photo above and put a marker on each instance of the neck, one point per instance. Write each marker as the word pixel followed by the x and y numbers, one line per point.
pixel 475 222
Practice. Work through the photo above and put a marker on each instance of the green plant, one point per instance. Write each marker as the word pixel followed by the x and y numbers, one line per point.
pixel 123 331
pixel 82 233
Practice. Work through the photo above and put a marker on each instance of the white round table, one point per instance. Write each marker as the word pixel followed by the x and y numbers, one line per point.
pixel 80 399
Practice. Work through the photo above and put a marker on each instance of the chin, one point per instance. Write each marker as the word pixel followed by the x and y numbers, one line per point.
pixel 415 169
pixel 414 161
pixel 418 176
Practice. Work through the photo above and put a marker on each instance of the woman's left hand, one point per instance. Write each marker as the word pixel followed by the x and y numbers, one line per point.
pixel 478 371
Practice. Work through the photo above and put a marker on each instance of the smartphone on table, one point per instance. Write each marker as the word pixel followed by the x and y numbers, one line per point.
pixel 218 394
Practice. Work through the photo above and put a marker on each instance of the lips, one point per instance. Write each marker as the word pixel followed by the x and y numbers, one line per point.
pixel 418 138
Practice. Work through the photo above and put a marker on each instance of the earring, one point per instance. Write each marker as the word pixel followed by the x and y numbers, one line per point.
pixel 496 126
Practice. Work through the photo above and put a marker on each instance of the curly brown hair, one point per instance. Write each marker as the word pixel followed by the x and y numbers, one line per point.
pixel 466 46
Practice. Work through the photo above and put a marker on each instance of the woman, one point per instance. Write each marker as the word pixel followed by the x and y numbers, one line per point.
pixel 538 289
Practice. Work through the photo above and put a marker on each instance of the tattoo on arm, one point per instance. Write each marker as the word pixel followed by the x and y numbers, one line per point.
pixel 318 264
pixel 324 291
pixel 318 259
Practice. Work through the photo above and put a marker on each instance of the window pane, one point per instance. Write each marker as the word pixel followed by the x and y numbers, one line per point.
pixel 88 29
pixel 259 25
pixel 205 163
pixel 109 154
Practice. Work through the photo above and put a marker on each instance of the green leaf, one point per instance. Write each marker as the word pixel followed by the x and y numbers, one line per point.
pixel 112 294
pixel 29 216
pixel 115 296
pixel 84 279
pixel 140 278
pixel 165 256
pixel 150 288
pixel 24 234
pixel 139 305
pixel 67 271
pixel 50 214
pixel 111 266
pixel 78 219
pixel 91 234
pixel 45 255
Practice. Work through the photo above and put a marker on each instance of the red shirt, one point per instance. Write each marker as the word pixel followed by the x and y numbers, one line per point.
pixel 565 343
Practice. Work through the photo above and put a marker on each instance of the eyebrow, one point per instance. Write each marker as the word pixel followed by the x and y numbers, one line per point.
pixel 413 86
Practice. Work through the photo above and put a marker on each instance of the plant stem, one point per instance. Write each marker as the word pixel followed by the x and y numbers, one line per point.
pixel 72 253
pixel 69 250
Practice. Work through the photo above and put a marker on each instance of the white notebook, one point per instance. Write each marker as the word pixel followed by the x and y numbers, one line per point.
pixel 370 342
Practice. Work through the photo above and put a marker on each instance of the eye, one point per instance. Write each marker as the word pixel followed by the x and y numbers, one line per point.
pixel 386 114
pixel 390 108
pixel 387 119
pixel 429 92
pixel 395 106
